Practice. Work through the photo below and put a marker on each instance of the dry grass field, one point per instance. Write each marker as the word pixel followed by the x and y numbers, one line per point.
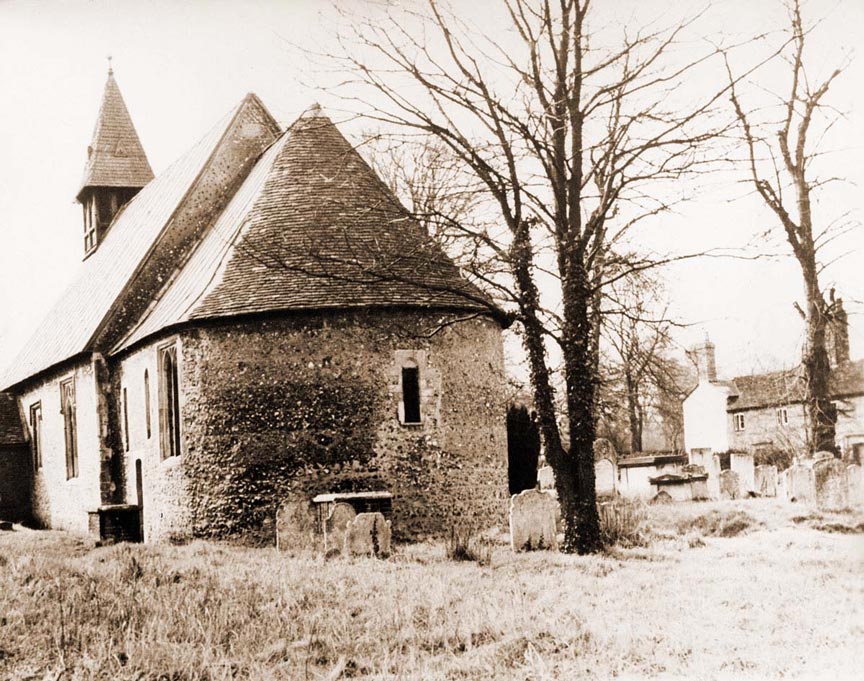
pixel 746 589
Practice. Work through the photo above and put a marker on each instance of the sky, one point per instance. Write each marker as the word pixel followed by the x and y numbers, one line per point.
pixel 182 65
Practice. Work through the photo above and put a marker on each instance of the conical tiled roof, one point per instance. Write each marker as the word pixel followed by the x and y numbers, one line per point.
pixel 311 228
pixel 115 157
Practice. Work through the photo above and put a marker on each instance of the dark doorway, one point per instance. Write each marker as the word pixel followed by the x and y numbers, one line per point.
pixel 139 490
pixel 523 448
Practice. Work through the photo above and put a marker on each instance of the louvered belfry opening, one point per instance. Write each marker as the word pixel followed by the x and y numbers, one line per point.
pixel 116 170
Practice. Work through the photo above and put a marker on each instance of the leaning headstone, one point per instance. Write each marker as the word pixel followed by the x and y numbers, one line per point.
pixel 336 526
pixel 546 478
pixel 605 477
pixel 766 480
pixel 730 485
pixel 532 521
pixel 295 527
pixel 854 485
pixel 799 483
pixel 742 464
pixel 829 476
pixel 368 535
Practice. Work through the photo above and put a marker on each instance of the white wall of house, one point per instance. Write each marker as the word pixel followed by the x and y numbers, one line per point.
pixel 59 502
pixel 705 418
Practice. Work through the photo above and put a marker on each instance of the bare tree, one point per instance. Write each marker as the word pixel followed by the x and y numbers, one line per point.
pixel 640 374
pixel 780 155
pixel 572 144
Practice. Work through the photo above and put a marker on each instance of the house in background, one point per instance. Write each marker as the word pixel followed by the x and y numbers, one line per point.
pixel 766 411
pixel 262 322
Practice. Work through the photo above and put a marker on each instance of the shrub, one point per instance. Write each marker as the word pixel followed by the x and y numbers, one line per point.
pixel 622 522
pixel 463 544
pixel 719 523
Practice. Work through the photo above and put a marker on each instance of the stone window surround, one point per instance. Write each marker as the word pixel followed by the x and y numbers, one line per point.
pixel 164 445
pixel 410 359
pixel 738 422
pixel 67 389
pixel 783 416
pixel 35 423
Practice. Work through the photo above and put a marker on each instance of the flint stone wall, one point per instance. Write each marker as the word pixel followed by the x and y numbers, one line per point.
pixel 283 409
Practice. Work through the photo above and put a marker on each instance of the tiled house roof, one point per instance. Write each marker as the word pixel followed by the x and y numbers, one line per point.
pixel 787 387
pixel 11 427
pixel 115 157
pixel 312 227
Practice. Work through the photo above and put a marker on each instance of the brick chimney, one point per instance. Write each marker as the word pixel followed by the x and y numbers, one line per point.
pixel 837 334
pixel 703 355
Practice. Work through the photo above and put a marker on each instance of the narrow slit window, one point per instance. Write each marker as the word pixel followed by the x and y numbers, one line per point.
pixel 411 394
pixel 70 427
pixel 36 433
pixel 147 401
pixel 169 402
pixel 125 421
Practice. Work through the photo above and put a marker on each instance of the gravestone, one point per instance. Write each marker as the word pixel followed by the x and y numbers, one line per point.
pixel 295 527
pixel 605 477
pixel 336 526
pixel 604 449
pixel 532 521
pixel 822 456
pixel 699 489
pixel 766 480
pixel 799 483
pixel 714 477
pixel 854 485
pixel 368 535
pixel 730 485
pixel 546 477
pixel 742 464
pixel 829 476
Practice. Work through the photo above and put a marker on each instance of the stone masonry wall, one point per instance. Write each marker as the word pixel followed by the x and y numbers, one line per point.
pixel 293 407
pixel 57 502
pixel 162 481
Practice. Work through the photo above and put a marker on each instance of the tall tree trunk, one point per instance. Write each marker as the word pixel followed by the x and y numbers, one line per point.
pixel 821 413
pixel 634 413
pixel 578 469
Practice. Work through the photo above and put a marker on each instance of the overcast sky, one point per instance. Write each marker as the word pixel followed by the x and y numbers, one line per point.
pixel 182 65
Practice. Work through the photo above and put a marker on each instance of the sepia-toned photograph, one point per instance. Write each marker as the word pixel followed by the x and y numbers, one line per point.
pixel 422 340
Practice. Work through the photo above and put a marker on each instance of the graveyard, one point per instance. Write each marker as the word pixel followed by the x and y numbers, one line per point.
pixel 744 588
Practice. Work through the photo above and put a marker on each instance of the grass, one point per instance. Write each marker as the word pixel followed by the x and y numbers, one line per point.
pixel 778 599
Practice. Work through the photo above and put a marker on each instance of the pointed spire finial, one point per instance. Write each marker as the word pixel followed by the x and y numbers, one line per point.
pixel 110 68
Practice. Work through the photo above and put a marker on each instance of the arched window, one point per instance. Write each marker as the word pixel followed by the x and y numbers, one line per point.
pixel 70 427
pixel 169 402
pixel 411 394
pixel 147 401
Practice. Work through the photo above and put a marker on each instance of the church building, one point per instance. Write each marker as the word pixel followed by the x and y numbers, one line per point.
pixel 262 322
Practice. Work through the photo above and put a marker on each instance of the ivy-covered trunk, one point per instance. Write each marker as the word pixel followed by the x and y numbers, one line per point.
pixel 821 413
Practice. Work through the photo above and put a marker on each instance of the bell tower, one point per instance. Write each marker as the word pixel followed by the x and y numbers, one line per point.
pixel 117 167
